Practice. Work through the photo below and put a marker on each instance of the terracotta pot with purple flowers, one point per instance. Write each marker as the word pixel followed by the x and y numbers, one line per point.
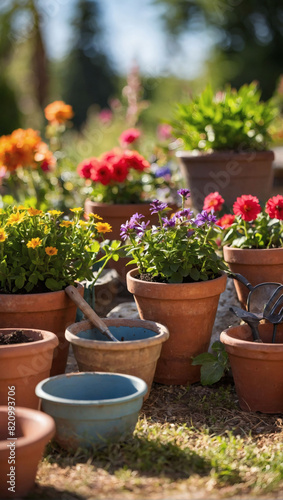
pixel 177 282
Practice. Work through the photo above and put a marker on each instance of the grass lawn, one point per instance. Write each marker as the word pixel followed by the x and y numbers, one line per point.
pixel 189 443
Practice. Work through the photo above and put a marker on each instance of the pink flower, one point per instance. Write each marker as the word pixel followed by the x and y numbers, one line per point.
pixel 226 221
pixel 213 201
pixel 247 206
pixel 105 116
pixel 128 136
pixel 164 132
pixel 274 207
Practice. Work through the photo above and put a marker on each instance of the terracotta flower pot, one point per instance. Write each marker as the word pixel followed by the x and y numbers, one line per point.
pixel 136 353
pixel 33 431
pixel 257 367
pixel 229 173
pixel 257 265
pixel 115 215
pixel 51 311
pixel 24 365
pixel 188 310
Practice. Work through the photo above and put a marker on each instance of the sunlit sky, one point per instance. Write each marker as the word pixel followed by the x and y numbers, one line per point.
pixel 133 32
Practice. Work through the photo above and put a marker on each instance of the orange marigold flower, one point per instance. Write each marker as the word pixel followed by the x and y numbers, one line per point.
pixel 94 216
pixel 3 235
pixel 34 242
pixel 51 251
pixel 66 223
pixel 16 218
pixel 103 227
pixel 58 112
pixel 33 211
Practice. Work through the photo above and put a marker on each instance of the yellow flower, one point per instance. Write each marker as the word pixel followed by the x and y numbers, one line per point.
pixel 21 207
pixel 3 235
pixel 76 210
pixel 66 223
pixel 34 211
pixel 51 250
pixel 54 212
pixel 103 227
pixel 34 242
pixel 95 216
pixel 83 223
pixel 16 218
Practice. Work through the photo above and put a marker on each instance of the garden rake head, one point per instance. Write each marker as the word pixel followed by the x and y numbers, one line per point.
pixel 273 312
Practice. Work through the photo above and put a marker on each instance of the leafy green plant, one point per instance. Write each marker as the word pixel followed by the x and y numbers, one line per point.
pixel 180 249
pixel 44 251
pixel 213 365
pixel 230 120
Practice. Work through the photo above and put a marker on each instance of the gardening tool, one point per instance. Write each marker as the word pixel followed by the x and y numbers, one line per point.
pixel 259 295
pixel 89 313
pixel 251 319
pixel 273 315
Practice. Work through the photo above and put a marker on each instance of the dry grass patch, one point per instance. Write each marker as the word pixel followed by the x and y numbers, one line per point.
pixel 189 443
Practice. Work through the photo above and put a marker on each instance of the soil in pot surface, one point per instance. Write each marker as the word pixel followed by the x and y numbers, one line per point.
pixel 16 337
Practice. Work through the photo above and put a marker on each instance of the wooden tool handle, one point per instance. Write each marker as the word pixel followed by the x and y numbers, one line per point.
pixel 89 313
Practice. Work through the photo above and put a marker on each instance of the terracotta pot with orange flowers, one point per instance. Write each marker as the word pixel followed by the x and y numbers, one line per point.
pixel 121 182
pixel 252 240
pixel 41 254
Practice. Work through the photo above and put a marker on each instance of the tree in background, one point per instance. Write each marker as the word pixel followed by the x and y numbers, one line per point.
pixel 89 78
pixel 248 34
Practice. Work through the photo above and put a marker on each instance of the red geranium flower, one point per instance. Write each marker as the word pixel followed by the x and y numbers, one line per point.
pixel 135 160
pixel 274 207
pixel 247 206
pixel 119 169
pixel 101 172
pixel 226 221
pixel 213 201
pixel 128 136
pixel 85 167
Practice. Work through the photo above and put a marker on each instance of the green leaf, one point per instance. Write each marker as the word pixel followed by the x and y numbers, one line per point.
pixel 53 284
pixel 203 358
pixel 20 281
pixel 194 274
pixel 211 372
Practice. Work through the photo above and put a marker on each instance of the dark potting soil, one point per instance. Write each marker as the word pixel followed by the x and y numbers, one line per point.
pixel 16 337
pixel 159 279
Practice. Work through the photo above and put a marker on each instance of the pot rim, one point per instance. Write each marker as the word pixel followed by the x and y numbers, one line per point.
pixel 226 155
pixel 51 301
pixel 252 256
pixel 141 390
pixel 229 340
pixel 193 291
pixel 43 430
pixel 29 348
pixel 162 336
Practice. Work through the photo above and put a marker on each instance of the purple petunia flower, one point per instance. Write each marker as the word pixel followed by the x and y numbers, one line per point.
pixel 205 217
pixel 141 228
pixel 169 222
pixel 184 192
pixel 125 230
pixel 186 212
pixel 135 219
pixel 157 206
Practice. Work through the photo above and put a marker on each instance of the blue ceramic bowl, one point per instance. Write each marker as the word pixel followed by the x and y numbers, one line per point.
pixel 92 407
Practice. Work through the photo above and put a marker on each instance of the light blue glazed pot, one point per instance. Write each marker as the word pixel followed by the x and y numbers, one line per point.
pixel 92 407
